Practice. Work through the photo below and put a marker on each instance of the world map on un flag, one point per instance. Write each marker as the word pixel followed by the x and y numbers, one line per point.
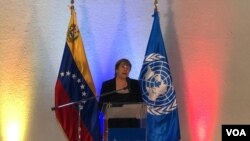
pixel 157 89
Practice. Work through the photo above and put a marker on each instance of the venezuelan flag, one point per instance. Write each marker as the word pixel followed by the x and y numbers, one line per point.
pixel 74 83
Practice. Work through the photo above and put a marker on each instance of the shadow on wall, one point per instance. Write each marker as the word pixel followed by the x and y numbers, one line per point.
pixel 176 66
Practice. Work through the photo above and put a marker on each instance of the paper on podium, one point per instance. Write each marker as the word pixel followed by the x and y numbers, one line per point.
pixel 128 110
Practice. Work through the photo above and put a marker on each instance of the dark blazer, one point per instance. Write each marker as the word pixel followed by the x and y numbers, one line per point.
pixel 109 95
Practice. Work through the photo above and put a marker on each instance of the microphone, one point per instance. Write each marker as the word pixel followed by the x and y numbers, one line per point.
pixel 90 98
pixel 111 92
pixel 94 97
pixel 128 84
pixel 102 108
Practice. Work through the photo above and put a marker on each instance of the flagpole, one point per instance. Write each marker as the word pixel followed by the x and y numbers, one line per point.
pixel 72 5
pixel 156 4
pixel 80 106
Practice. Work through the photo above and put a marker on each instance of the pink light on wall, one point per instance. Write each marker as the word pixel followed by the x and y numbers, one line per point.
pixel 203 34
pixel 203 84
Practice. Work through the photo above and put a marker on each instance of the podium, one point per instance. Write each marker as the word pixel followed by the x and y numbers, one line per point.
pixel 124 121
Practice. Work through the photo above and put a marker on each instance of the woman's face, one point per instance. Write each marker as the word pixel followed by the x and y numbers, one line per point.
pixel 123 70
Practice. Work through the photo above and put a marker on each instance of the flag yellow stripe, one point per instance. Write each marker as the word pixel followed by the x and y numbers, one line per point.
pixel 79 55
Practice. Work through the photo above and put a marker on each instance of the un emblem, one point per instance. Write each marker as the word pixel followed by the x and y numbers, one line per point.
pixel 156 82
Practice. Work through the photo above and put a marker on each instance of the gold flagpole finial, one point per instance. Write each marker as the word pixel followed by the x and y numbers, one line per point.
pixel 156 4
pixel 72 4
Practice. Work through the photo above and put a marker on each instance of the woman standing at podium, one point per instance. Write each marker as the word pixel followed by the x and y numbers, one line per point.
pixel 121 89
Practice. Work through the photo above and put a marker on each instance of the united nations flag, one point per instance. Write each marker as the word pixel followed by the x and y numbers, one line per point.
pixel 158 90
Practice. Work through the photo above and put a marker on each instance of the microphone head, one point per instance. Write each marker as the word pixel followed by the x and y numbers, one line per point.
pixel 128 84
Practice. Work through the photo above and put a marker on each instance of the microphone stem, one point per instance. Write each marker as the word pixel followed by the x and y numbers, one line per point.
pixel 87 99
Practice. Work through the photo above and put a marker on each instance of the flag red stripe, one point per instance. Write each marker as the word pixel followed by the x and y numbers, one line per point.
pixel 68 115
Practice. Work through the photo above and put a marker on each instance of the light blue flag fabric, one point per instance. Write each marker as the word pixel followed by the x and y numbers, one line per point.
pixel 158 91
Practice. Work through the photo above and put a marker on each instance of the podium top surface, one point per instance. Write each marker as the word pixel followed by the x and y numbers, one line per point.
pixel 125 110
